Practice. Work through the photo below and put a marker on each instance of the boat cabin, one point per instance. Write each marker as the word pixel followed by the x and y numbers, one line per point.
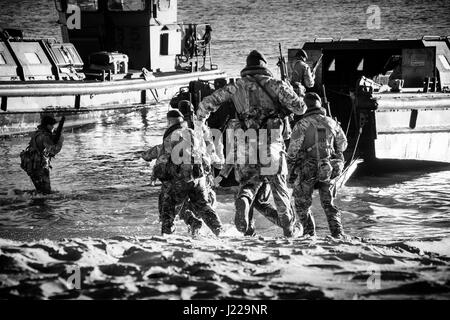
pixel 146 31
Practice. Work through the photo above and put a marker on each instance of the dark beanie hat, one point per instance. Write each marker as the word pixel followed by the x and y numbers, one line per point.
pixel 185 107
pixel 174 113
pixel 254 58
pixel 47 120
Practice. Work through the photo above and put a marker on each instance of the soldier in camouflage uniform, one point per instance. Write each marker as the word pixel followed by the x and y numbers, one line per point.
pixel 261 200
pixel 180 167
pixel 42 148
pixel 261 103
pixel 315 158
pixel 302 77
pixel 186 214
pixel 214 149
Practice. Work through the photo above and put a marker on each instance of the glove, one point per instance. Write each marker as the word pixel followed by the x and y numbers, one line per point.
pixel 338 167
pixel 201 114
pixel 217 181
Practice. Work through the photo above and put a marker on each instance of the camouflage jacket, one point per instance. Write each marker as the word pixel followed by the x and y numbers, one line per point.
pixel 338 139
pixel 42 142
pixel 211 144
pixel 301 73
pixel 252 103
pixel 180 154
pixel 255 108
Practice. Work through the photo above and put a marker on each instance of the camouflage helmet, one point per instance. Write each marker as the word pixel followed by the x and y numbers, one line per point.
pixel 301 54
pixel 174 113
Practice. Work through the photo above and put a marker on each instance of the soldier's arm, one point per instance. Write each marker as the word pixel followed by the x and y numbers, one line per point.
pixel 152 153
pixel 295 74
pixel 297 137
pixel 340 142
pixel 212 102
pixel 214 147
pixel 289 99
pixel 51 148
pixel 308 77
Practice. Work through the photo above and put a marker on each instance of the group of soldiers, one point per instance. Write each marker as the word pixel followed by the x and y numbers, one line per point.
pixel 313 159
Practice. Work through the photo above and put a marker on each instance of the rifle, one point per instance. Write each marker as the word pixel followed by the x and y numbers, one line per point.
pixel 59 130
pixel 282 64
pixel 317 64
pixel 326 104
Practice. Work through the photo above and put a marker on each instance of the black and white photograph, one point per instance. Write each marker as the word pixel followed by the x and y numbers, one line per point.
pixel 205 151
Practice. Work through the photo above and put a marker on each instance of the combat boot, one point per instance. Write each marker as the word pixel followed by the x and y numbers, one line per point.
pixel 165 229
pixel 251 232
pixel 288 226
pixel 241 216
pixel 298 230
pixel 195 225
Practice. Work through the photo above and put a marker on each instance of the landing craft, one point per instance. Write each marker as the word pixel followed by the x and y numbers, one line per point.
pixel 409 123
pixel 116 55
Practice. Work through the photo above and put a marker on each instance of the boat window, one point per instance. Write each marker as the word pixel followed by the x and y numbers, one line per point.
pixel 126 5
pixel 163 5
pixel 32 58
pixel 2 58
pixel 74 55
pixel 66 55
pixel 164 44
pixel 332 66
pixel 444 61
pixel 85 5
pixel 361 65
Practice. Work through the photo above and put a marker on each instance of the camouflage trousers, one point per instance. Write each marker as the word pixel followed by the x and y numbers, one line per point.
pixel 262 204
pixel 186 211
pixel 303 191
pixel 41 180
pixel 194 197
pixel 256 189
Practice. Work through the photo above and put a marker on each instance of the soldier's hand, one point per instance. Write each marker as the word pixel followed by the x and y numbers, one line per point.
pixel 201 114
pixel 217 181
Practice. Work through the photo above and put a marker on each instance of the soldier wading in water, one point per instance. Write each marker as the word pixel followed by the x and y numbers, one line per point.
pixel 180 167
pixel 35 160
pixel 261 103
pixel 315 158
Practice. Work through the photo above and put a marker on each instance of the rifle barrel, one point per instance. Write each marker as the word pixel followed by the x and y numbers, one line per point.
pixel 59 130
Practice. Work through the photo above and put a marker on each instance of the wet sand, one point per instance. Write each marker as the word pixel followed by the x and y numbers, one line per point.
pixel 180 267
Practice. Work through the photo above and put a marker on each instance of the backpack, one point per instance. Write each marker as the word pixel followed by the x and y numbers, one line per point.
pixel 30 158
pixel 320 150
pixel 165 169
pixel 162 170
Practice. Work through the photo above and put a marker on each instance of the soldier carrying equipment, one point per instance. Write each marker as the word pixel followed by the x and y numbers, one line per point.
pixel 183 177
pixel 315 157
pixel 43 146
pixel 252 96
